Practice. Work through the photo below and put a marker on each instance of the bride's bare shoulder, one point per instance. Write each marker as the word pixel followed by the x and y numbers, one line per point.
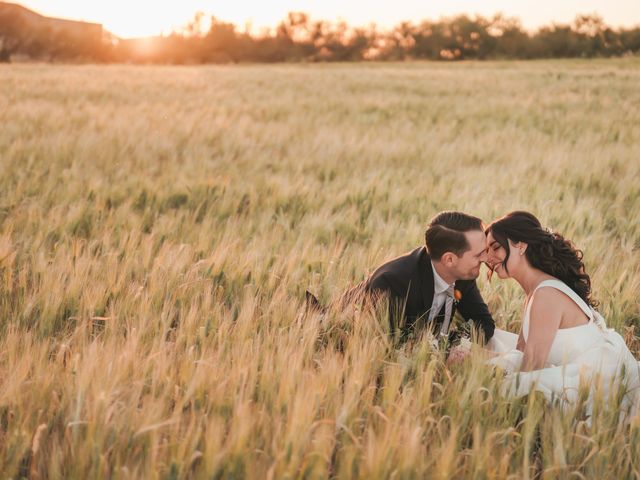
pixel 551 302
pixel 546 303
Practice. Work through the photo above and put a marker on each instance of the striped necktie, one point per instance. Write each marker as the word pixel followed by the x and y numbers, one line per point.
pixel 448 307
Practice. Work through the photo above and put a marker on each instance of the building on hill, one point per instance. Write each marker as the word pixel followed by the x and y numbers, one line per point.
pixel 27 33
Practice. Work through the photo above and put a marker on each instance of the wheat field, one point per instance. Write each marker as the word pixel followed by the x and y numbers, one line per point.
pixel 159 226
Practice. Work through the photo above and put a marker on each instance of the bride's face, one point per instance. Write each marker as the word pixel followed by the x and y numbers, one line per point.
pixel 497 253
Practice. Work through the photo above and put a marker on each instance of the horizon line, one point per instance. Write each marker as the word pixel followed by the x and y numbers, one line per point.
pixel 269 28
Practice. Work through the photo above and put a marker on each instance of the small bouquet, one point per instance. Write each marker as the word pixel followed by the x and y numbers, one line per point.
pixel 459 352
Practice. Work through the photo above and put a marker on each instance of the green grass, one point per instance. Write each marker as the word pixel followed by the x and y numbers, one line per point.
pixel 159 226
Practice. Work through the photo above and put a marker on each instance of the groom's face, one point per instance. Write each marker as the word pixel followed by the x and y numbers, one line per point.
pixel 467 266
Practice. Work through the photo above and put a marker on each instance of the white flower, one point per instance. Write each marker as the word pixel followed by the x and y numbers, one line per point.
pixel 465 344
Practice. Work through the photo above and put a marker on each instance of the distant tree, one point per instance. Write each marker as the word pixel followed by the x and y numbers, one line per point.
pixel 511 41
pixel 296 35
pixel 399 43
pixel 630 41
pixel 221 44
pixel 597 37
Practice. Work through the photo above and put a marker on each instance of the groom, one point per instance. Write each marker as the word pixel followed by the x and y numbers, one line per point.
pixel 425 287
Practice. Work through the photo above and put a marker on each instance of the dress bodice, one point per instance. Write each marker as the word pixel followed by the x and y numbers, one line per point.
pixel 568 343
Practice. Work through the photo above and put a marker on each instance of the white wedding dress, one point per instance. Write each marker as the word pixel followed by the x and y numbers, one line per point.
pixel 588 352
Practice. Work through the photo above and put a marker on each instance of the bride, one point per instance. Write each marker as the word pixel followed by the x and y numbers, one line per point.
pixel 563 339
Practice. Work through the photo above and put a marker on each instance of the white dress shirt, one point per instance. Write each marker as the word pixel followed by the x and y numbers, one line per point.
pixel 442 292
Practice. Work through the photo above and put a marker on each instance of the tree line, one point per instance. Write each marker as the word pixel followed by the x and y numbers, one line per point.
pixel 298 38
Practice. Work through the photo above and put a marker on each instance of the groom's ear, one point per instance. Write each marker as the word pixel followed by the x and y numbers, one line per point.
pixel 447 259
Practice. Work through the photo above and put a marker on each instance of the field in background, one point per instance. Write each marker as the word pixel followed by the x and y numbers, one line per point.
pixel 159 226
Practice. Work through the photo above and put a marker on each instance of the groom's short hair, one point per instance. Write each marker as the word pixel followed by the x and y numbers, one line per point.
pixel 445 233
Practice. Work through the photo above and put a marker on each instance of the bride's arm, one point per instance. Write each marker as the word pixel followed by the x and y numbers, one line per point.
pixel 544 320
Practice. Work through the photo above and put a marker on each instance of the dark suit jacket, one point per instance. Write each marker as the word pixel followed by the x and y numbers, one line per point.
pixel 408 282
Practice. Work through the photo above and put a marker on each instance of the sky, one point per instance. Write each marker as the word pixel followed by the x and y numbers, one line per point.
pixel 135 18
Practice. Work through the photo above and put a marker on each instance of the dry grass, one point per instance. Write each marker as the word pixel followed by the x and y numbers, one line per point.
pixel 159 227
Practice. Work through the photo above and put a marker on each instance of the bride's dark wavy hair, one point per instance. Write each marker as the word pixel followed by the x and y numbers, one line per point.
pixel 547 251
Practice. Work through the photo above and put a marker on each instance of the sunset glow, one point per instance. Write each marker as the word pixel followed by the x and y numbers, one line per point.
pixel 144 17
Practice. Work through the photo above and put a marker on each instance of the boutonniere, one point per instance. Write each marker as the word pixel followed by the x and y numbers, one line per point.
pixel 457 295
